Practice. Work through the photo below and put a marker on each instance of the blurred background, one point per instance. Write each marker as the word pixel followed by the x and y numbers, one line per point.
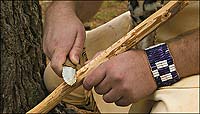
pixel 108 10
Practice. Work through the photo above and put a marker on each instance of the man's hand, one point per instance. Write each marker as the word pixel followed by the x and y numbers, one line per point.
pixel 64 34
pixel 123 79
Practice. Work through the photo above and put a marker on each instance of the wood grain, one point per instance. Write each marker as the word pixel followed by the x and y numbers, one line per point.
pixel 122 45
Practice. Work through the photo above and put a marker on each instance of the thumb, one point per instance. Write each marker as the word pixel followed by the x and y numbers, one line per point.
pixel 57 60
pixel 77 48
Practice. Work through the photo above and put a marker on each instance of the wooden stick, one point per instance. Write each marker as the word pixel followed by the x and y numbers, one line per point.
pixel 122 45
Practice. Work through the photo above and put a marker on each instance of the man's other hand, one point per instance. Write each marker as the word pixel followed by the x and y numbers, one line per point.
pixel 124 79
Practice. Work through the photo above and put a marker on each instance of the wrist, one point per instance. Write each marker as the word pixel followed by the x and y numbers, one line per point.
pixel 152 83
pixel 143 62
pixel 162 65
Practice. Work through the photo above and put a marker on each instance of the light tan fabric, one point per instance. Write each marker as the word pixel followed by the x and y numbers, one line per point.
pixel 108 107
pixel 185 20
pixel 183 96
pixel 180 97
pixel 105 35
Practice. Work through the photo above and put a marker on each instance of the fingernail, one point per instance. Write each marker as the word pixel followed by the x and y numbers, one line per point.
pixel 86 85
pixel 75 59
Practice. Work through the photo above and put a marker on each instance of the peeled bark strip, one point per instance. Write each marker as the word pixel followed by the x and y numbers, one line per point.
pixel 22 60
pixel 122 45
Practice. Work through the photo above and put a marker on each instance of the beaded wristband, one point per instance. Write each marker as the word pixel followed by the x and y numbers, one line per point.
pixel 162 65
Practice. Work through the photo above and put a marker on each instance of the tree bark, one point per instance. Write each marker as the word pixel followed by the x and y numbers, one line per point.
pixel 22 59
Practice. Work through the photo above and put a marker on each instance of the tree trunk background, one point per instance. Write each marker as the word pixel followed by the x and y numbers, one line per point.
pixel 22 59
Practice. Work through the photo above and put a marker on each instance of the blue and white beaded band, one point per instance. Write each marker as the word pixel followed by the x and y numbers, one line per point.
pixel 162 65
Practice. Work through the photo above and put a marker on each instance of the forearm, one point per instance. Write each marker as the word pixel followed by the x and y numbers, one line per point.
pixel 185 52
pixel 83 9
